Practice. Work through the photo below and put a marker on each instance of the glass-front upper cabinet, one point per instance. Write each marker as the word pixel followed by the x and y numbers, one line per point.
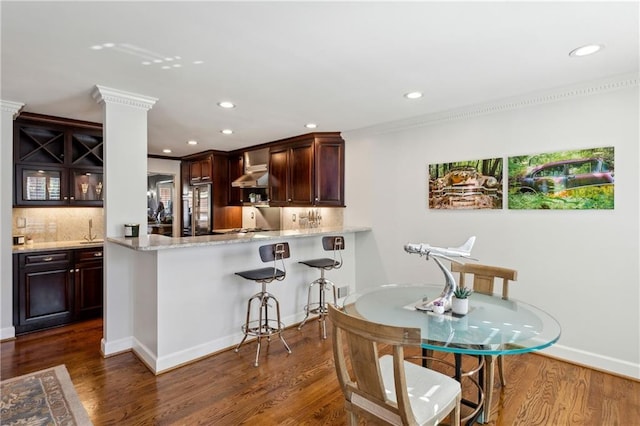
pixel 88 187
pixel 40 186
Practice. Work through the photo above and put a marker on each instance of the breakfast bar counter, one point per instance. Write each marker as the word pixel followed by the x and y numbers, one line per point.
pixel 175 300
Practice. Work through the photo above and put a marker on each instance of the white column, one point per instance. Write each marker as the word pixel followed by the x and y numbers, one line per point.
pixel 125 201
pixel 9 110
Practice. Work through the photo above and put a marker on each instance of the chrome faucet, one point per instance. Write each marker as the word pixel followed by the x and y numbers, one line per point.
pixel 90 237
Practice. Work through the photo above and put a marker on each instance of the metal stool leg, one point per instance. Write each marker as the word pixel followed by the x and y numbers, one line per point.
pixel 307 307
pixel 280 326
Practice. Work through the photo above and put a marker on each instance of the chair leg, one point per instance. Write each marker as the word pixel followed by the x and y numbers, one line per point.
pixel 455 413
pixel 503 382
pixel 488 385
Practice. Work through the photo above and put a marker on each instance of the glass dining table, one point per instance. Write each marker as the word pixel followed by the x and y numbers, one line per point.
pixel 493 326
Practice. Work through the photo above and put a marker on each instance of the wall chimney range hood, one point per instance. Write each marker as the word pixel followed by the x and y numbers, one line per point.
pixel 255 170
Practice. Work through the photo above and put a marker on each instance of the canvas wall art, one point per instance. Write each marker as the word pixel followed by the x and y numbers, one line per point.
pixel 567 180
pixel 475 184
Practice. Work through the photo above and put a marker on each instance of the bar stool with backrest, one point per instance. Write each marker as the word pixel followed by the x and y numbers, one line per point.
pixel 265 326
pixel 331 243
pixel 484 277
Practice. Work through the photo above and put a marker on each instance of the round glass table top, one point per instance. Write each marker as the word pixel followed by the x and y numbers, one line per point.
pixel 493 325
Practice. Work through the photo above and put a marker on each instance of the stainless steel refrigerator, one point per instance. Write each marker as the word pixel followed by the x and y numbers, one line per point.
pixel 197 211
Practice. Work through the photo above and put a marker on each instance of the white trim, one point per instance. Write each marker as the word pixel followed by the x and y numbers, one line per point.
pixel 108 95
pixel 116 346
pixel 7 333
pixel 595 361
pixel 521 101
pixel 12 107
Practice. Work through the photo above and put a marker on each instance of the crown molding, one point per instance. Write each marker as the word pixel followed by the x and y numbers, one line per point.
pixel 108 95
pixel 12 107
pixel 507 104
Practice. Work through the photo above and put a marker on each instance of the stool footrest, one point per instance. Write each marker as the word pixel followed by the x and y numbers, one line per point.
pixel 254 328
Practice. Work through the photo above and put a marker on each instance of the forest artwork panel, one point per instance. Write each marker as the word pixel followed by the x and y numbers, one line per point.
pixel 465 185
pixel 563 180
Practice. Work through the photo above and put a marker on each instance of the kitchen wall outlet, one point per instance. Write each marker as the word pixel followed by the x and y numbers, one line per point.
pixel 21 222
pixel 343 292
pixel 293 217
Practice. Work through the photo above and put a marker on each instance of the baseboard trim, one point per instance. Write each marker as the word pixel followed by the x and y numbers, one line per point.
pixel 594 361
pixel 116 346
pixel 7 333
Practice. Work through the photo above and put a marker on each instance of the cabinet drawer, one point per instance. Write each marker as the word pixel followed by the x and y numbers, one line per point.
pixel 45 258
pixel 86 255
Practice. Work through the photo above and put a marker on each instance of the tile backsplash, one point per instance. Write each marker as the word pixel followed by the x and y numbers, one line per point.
pixel 58 224
pixel 311 217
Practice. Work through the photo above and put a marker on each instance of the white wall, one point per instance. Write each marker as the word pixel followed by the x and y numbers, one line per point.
pixel 570 263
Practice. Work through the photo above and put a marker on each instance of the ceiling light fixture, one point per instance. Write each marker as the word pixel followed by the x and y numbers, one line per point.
pixel 226 104
pixel 166 151
pixel 413 95
pixel 587 50
pixel 192 142
pixel 226 131
pixel 96 47
pixel 108 44
pixel 311 125
pixel 198 62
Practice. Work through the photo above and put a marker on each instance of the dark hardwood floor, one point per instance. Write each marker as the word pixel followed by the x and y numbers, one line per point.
pixel 296 389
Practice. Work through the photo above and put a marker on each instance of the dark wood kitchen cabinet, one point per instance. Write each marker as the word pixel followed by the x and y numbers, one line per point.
pixel 236 170
pixel 58 287
pixel 307 171
pixel 58 162
pixel 200 170
pixel 88 280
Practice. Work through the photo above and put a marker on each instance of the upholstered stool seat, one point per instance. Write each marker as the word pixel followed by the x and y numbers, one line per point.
pixel 264 326
pixel 330 243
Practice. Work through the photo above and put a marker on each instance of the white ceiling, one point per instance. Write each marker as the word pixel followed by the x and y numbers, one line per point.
pixel 343 65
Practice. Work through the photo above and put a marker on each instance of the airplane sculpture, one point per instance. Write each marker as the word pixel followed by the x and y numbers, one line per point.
pixel 449 253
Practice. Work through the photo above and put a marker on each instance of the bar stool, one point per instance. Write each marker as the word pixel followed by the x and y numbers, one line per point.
pixel 335 244
pixel 265 326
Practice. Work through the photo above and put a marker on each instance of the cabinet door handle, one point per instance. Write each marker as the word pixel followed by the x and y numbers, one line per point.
pixel 47 259
pixel 72 198
pixel 97 254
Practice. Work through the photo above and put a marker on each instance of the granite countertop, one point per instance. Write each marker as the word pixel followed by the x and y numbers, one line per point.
pixel 160 242
pixel 56 245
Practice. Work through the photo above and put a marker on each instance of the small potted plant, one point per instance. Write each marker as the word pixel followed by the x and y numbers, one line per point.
pixel 460 301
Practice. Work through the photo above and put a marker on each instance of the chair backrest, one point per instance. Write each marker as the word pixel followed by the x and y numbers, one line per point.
pixel 484 277
pixel 275 253
pixel 334 243
pixel 364 383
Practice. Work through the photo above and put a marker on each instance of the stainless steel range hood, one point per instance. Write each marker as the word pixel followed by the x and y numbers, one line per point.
pixel 255 170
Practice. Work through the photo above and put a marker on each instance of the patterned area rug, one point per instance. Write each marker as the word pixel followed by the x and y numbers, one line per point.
pixel 46 397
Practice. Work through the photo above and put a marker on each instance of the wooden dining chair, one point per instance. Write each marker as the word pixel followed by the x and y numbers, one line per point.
pixel 388 388
pixel 484 280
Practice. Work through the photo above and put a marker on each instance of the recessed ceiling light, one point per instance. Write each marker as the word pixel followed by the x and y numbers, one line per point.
pixel 413 95
pixel 226 104
pixel 198 62
pixel 589 49
pixel 192 142
pixel 168 59
pixel 96 47
pixel 177 65
pixel 146 63
pixel 311 125
pixel 108 44
pixel 166 151
pixel 166 67
pixel 157 61
pixel 226 131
